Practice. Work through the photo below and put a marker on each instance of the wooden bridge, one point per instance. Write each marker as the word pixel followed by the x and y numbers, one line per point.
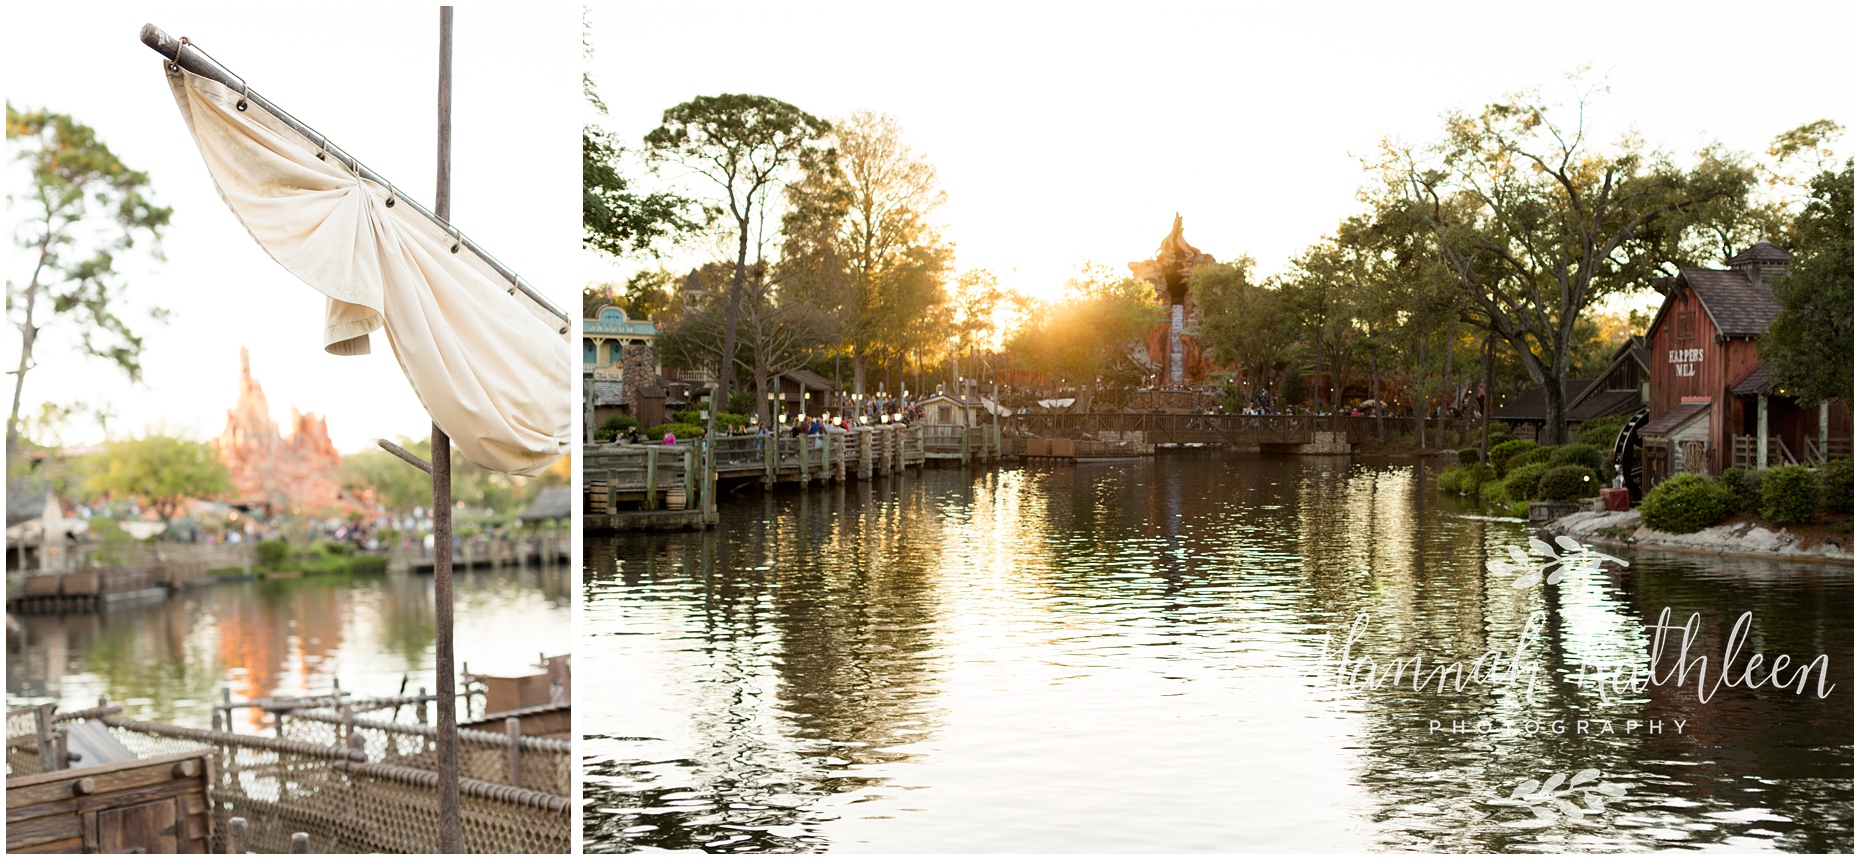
pixel 647 486
pixel 1268 431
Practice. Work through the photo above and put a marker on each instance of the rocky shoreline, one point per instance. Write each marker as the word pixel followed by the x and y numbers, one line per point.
pixel 1750 539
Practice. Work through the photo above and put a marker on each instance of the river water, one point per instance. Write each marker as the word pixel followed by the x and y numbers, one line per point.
pixel 1144 656
pixel 167 659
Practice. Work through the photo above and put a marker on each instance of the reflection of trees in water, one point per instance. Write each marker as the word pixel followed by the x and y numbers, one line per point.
pixel 815 621
pixel 1438 602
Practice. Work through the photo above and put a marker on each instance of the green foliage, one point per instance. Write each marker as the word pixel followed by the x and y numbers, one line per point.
pixel 731 419
pixel 84 211
pixel 1500 454
pixel 1541 455
pixel 1521 482
pixel 163 470
pixel 1810 343
pixel 1839 477
pixel 1518 509
pixel 1086 335
pixel 1686 503
pixel 688 416
pixel 1242 321
pixel 615 219
pixel 1601 432
pixel 1469 456
pixel 1451 480
pixel 1493 490
pixel 400 487
pixel 741 402
pixel 1522 458
pixel 1745 487
pixel 615 425
pixel 1568 483
pixel 1579 454
pixel 681 431
pixel 272 553
pixel 1791 494
pixel 1476 476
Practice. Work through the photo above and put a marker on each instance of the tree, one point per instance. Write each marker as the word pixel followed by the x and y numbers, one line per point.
pixel 869 209
pixel 978 302
pixel 1089 336
pixel 1318 302
pixel 1242 323
pixel 745 145
pixel 162 470
pixel 781 332
pixel 1536 223
pixel 84 209
pixel 1810 344
pixel 615 219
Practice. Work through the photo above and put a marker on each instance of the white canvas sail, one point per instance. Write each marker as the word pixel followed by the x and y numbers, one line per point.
pixel 490 365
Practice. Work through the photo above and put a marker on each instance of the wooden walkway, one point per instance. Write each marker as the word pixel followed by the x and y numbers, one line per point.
pixel 91 588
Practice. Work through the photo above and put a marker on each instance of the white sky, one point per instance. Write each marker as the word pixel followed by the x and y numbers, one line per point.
pixel 364 75
pixel 1063 135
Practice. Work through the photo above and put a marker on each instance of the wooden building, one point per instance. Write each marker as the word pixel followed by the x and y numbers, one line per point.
pixel 1710 405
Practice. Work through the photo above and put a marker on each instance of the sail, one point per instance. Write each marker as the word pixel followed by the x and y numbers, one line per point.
pixel 492 367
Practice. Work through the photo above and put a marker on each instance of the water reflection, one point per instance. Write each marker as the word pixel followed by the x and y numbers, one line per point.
pixel 167 659
pixel 1124 656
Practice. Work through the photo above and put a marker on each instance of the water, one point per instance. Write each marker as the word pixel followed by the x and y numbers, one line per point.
pixel 167 659
pixel 1129 657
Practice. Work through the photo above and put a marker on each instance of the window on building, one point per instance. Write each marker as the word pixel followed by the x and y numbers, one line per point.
pixel 944 414
pixel 1687 321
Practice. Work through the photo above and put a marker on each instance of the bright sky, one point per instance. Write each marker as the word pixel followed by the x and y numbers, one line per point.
pixel 366 76
pixel 1067 136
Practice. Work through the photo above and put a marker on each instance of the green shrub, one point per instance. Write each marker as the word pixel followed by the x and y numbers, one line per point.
pixel 1451 481
pixel 1791 494
pixel 741 402
pixel 687 416
pixel 731 419
pixel 1469 456
pixel 1839 477
pixel 1579 455
pixel 682 431
pixel 272 553
pixel 1521 482
pixel 1686 503
pixel 1500 453
pixel 1567 483
pixel 616 425
pixel 1476 475
pixel 1518 509
pixel 1601 432
pixel 1493 490
pixel 1541 455
pixel 1517 461
pixel 1745 487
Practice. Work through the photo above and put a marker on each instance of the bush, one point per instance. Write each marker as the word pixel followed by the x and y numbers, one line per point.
pixel 1451 481
pixel 741 402
pixel 732 419
pixel 1518 509
pixel 1686 503
pixel 615 425
pixel 1521 483
pixel 272 553
pixel 1839 477
pixel 1791 494
pixel 1601 432
pixel 1745 487
pixel 1567 483
pixel 1493 490
pixel 682 431
pixel 687 416
pixel 1500 453
pixel 1579 454
pixel 1469 456
pixel 1517 461
pixel 1541 455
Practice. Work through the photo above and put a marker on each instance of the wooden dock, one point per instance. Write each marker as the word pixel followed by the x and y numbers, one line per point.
pixel 90 588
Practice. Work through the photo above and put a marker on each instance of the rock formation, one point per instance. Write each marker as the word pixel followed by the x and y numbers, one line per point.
pixel 281 474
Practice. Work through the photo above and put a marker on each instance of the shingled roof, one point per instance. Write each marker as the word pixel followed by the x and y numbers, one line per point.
pixel 1674 418
pixel 1530 404
pixel 1737 307
pixel 1762 252
pixel 1757 381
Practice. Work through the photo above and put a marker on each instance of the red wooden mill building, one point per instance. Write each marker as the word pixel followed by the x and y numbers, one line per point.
pixel 1711 405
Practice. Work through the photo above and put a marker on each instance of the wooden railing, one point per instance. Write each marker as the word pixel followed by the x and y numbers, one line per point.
pixel 1177 427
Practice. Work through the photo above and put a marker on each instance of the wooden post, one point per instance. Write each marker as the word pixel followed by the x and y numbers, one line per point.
pixel 771 459
pixel 965 443
pixel 800 444
pixel 691 501
pixel 652 477
pixel 1823 437
pixel 1763 431
pixel 300 842
pixel 451 830
pixel 235 835
pixel 613 491
pixel 48 757
pixel 514 733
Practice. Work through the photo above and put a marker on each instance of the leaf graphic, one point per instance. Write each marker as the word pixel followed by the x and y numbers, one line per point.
pixel 1499 567
pixel 1543 813
pixel 1541 548
pixel 1612 790
pixel 1551 784
pixel 1569 809
pixel 1556 576
pixel 1568 543
pixel 1526 787
pixel 1518 555
pixel 1599 558
pixel 1527 580
pixel 1584 775
pixel 1594 803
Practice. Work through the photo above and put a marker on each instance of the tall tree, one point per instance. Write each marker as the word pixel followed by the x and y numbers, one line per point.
pixel 870 209
pixel 615 218
pixel 83 209
pixel 1810 345
pixel 1090 336
pixel 1537 222
pixel 745 145
pixel 162 470
pixel 1243 322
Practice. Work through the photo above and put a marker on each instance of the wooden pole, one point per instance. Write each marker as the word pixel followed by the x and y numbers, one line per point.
pixel 451 830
